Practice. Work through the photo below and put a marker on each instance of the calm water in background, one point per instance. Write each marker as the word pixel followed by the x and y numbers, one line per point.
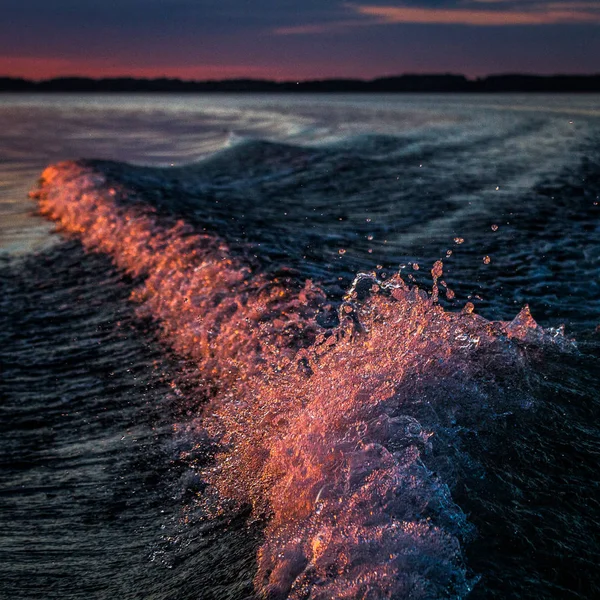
pixel 94 492
pixel 472 160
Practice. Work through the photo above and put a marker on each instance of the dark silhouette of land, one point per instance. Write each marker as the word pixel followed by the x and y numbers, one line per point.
pixel 400 83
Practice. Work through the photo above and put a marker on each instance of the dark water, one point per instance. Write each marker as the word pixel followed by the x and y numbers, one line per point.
pixel 163 438
pixel 91 483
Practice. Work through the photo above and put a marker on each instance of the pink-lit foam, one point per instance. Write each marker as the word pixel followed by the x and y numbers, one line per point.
pixel 314 425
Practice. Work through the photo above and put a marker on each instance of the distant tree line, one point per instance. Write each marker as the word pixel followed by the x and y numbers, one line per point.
pixel 401 83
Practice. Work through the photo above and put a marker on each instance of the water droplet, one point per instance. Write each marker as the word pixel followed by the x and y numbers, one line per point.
pixel 369 237
pixel 438 269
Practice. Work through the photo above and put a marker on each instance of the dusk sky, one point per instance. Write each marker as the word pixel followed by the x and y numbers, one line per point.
pixel 297 39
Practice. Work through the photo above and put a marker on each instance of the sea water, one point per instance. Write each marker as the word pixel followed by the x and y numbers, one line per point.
pixel 300 346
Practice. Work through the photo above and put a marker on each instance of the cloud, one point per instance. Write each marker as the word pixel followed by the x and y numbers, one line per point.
pixel 536 14
pixel 482 13
pixel 330 27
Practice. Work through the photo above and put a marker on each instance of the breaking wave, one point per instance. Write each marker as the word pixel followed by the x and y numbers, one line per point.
pixel 340 423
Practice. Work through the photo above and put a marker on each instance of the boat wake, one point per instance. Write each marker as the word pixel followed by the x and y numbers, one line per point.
pixel 341 423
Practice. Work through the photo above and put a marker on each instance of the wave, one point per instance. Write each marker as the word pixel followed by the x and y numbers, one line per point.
pixel 343 433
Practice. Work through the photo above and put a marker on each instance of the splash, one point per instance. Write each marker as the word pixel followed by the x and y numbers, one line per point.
pixel 345 439
pixel 209 305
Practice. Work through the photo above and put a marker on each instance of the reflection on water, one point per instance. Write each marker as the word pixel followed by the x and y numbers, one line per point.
pixel 170 129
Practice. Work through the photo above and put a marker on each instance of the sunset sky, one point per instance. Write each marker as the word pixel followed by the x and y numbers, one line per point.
pixel 297 39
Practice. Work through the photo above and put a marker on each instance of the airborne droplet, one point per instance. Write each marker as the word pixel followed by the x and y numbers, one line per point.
pixel 468 308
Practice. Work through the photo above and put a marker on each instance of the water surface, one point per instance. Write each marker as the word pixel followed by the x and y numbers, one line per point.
pixel 198 402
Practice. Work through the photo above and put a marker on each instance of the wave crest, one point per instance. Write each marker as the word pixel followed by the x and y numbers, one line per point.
pixel 346 438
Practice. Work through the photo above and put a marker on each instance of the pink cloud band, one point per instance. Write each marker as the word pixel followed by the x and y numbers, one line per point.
pixel 552 14
pixel 474 13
